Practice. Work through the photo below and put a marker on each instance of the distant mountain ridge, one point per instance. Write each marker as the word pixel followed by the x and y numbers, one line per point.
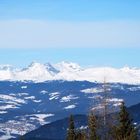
pixel 69 71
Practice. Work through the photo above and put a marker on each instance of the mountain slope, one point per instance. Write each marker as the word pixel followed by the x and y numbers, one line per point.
pixel 25 106
pixel 58 130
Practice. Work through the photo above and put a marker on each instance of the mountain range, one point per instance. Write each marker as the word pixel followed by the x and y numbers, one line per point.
pixel 69 71
pixel 44 93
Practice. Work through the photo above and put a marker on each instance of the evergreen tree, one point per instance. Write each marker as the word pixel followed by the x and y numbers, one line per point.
pixel 92 123
pixel 71 130
pixel 21 138
pixel 80 135
pixel 125 130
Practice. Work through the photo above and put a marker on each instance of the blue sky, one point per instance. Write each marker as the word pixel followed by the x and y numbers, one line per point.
pixel 115 57
pixel 89 32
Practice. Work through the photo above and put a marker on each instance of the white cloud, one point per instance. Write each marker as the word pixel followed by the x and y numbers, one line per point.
pixel 35 33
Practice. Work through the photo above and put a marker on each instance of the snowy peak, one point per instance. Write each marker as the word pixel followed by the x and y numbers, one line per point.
pixel 35 72
pixel 35 64
pixel 51 68
pixel 70 71
pixel 6 72
pixel 68 66
pixel 6 67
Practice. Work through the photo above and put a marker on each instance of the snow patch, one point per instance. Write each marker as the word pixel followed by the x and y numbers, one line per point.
pixel 30 97
pixel 23 94
pixel 43 92
pixel 37 101
pixel 40 117
pixel 54 95
pixel 82 127
pixel 68 98
pixel 23 87
pixel 16 127
pixel 11 98
pixel 134 88
pixel 99 107
pixel 3 112
pixel 70 107
pixel 6 137
pixel 117 104
pixel 95 97
pixel 114 100
pixel 8 107
pixel 92 90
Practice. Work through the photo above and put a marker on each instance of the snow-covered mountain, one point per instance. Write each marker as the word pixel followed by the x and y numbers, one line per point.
pixel 70 71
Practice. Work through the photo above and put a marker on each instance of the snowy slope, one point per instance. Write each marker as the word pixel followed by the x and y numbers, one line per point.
pixel 70 71
pixel 35 72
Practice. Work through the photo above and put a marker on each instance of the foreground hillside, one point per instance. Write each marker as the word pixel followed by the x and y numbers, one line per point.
pixel 58 130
